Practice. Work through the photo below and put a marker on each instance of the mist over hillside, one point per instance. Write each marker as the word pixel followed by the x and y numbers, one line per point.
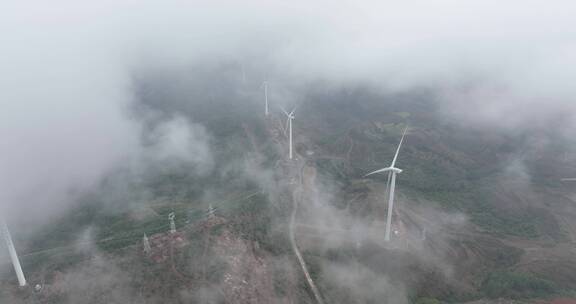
pixel 119 113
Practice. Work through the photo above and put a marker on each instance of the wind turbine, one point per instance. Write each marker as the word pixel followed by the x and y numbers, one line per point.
pixel 13 254
pixel 265 84
pixel 392 171
pixel 289 122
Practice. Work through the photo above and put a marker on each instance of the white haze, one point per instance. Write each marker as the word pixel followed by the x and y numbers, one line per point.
pixel 65 67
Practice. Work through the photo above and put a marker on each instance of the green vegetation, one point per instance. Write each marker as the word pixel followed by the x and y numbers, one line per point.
pixel 427 301
pixel 483 212
pixel 512 285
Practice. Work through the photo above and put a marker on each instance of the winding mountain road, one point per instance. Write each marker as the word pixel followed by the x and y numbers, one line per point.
pixel 297 197
pixel 296 169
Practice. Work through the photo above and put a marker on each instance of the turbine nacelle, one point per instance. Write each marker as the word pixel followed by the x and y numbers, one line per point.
pixel 391 168
pixel 289 115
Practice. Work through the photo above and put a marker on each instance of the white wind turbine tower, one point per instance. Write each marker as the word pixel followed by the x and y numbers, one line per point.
pixel 289 121
pixel 265 84
pixel 392 171
pixel 13 254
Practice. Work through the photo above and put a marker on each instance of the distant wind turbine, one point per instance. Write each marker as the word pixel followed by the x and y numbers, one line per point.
pixel 265 84
pixel 289 122
pixel 392 171
pixel 13 254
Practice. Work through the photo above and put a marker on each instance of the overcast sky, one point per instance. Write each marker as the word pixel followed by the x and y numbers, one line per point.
pixel 65 65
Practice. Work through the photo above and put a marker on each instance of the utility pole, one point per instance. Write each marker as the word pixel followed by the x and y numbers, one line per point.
pixel 211 210
pixel 146 242
pixel 172 224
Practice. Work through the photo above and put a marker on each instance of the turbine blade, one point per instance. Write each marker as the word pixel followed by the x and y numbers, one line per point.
pixel 398 149
pixel 281 108
pixel 569 179
pixel 377 171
